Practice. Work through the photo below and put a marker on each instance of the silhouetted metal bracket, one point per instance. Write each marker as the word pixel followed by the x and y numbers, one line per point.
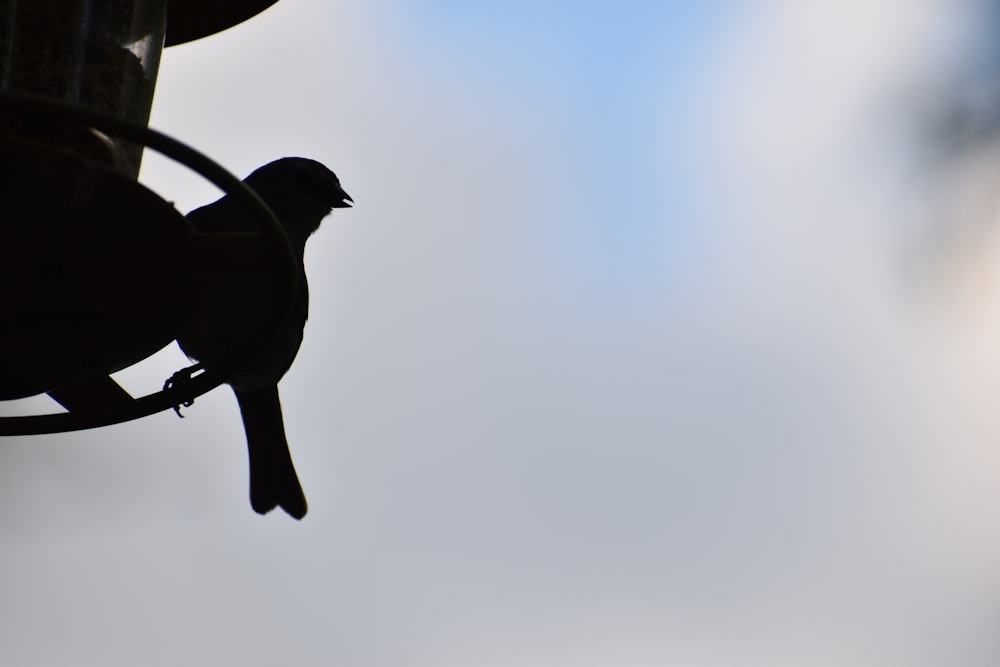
pixel 115 405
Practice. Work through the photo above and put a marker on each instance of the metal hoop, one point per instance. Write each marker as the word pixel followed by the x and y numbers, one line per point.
pixel 177 151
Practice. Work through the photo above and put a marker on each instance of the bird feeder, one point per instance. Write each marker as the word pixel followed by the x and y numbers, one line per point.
pixel 98 271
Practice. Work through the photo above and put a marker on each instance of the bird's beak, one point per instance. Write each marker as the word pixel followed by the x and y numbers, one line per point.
pixel 346 201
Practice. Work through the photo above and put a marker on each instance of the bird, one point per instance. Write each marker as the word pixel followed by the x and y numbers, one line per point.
pixel 240 309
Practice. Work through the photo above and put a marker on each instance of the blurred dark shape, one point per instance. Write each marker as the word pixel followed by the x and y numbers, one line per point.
pixel 240 311
pixel 964 110
pixel 945 131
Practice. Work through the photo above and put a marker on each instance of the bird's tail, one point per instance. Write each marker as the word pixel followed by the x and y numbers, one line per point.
pixel 273 481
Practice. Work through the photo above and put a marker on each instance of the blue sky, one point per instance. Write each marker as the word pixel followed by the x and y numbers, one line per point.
pixel 624 80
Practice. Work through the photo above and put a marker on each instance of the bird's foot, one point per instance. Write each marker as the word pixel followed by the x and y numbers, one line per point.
pixel 178 379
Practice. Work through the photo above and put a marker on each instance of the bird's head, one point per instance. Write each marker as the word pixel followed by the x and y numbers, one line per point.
pixel 300 191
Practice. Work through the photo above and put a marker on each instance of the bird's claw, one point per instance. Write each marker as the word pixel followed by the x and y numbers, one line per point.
pixel 179 378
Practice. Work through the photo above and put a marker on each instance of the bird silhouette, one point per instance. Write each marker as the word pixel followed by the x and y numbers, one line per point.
pixel 240 309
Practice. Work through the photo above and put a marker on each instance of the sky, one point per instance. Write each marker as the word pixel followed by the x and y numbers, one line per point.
pixel 660 333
